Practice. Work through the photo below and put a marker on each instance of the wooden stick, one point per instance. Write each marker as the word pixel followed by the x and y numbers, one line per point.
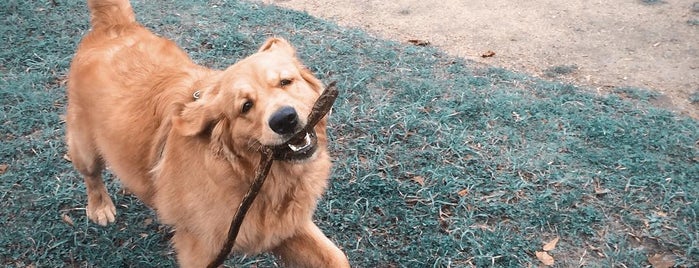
pixel 260 176
pixel 322 105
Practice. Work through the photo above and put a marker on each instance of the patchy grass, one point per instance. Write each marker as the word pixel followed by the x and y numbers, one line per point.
pixel 636 93
pixel 652 2
pixel 694 97
pixel 438 163
pixel 559 70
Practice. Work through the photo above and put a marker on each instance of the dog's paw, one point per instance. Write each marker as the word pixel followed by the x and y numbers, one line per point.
pixel 102 212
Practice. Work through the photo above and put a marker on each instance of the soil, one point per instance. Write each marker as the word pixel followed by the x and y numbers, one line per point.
pixel 651 44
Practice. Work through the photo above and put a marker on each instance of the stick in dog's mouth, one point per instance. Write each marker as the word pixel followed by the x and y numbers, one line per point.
pixel 304 143
pixel 297 145
pixel 301 146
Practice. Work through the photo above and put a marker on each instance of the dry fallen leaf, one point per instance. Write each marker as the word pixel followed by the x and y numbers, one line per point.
pixel 419 179
pixel 3 168
pixel 463 192
pixel 482 227
pixel 419 42
pixel 551 244
pixel 661 261
pixel 363 160
pixel 488 54
pixel 67 219
pixel 599 190
pixel 545 258
pixel 597 250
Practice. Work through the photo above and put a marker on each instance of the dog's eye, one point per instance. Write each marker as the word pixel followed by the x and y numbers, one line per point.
pixel 247 106
pixel 285 82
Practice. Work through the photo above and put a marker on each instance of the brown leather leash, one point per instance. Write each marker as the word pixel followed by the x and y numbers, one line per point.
pixel 320 109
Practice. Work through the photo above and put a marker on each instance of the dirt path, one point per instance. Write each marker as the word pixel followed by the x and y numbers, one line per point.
pixel 603 44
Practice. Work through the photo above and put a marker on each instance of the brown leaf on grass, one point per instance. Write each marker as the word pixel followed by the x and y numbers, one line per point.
pixel 482 227
pixel 661 261
pixel 419 42
pixel 551 244
pixel 363 160
pixel 599 190
pixel 67 219
pixel 419 180
pixel 3 168
pixel 488 54
pixel 463 192
pixel 545 258
pixel 597 251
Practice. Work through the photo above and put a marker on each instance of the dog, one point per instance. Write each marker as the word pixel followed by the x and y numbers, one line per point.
pixel 183 139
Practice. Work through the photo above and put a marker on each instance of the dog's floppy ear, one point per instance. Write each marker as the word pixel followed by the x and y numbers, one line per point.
pixel 314 82
pixel 193 119
pixel 197 116
pixel 277 44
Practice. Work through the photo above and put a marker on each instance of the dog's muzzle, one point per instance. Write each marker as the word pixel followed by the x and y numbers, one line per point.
pixel 304 143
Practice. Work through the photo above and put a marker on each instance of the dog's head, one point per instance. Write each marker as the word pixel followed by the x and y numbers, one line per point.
pixel 264 99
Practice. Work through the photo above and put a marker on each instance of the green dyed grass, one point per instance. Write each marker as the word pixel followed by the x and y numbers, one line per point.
pixel 508 161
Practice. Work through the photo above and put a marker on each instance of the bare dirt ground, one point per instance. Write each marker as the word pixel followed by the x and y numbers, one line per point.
pixel 601 44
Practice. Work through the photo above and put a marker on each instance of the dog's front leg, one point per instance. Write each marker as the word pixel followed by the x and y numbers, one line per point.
pixel 192 251
pixel 309 247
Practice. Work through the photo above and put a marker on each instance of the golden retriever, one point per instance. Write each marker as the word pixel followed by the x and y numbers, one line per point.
pixel 183 139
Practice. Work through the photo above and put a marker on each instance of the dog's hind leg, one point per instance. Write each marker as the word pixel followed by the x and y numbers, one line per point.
pixel 86 159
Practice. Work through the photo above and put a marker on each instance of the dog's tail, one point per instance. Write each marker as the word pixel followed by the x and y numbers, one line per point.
pixel 105 13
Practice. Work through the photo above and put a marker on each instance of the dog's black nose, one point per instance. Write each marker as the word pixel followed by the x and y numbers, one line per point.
pixel 284 120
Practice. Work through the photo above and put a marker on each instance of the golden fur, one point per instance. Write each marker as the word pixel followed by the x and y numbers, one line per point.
pixel 130 106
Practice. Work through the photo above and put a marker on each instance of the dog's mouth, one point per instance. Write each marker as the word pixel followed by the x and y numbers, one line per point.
pixel 304 144
pixel 301 146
